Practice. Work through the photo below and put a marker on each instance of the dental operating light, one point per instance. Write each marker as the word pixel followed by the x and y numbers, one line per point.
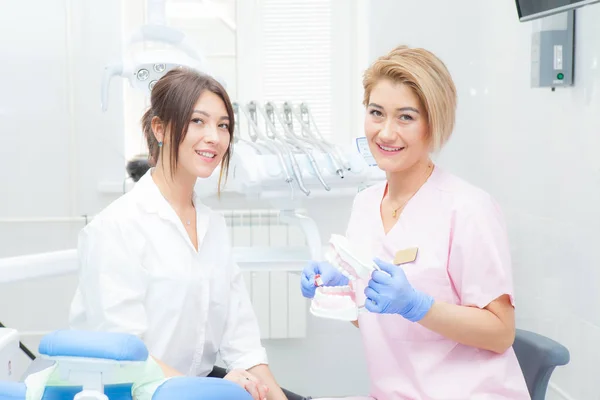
pixel 144 68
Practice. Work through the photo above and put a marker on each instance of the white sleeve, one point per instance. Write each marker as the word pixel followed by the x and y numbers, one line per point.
pixel 112 283
pixel 241 346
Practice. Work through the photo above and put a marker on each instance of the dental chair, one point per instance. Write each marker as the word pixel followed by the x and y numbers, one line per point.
pixel 538 356
pixel 96 366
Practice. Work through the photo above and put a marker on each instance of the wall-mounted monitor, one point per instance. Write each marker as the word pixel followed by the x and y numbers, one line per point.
pixel 533 9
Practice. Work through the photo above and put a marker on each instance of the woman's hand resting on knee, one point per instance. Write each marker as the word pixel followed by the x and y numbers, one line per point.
pixel 252 384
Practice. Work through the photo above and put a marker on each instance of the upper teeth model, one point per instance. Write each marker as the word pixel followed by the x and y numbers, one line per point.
pixel 353 264
pixel 339 302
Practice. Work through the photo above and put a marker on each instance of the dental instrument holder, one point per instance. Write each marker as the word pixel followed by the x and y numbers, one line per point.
pixel 273 113
pixel 307 123
pixel 261 175
pixel 264 169
pixel 276 148
pixel 272 133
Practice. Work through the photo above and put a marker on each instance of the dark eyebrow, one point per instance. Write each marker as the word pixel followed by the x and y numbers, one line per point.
pixel 224 117
pixel 397 109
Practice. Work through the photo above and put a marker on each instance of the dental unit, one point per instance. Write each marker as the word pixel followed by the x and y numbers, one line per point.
pixel 280 158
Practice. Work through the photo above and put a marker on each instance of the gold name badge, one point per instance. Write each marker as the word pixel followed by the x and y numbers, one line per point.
pixel 406 256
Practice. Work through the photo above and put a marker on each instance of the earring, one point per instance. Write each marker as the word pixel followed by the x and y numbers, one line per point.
pixel 159 144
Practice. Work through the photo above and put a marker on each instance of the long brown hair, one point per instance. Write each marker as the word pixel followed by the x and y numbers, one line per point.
pixel 172 100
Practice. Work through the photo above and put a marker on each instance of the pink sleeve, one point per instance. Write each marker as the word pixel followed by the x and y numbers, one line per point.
pixel 480 262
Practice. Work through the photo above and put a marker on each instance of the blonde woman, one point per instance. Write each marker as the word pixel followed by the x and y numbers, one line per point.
pixel 441 311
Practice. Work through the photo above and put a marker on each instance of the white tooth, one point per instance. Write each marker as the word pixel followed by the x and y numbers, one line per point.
pixel 390 148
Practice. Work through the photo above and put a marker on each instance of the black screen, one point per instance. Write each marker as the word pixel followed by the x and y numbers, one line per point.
pixel 531 7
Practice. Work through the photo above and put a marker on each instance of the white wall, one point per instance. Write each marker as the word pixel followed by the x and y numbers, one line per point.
pixel 535 150
pixel 56 144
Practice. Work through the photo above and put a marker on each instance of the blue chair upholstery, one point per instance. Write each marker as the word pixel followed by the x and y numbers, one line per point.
pixel 538 356
pixel 105 345
pixel 189 388
pixel 184 388
pixel 12 390
pixel 113 392
pixel 18 391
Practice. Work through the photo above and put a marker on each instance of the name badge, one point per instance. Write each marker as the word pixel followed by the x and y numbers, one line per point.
pixel 406 256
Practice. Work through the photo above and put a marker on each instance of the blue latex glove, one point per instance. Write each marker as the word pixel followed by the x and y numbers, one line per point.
pixel 329 275
pixel 389 292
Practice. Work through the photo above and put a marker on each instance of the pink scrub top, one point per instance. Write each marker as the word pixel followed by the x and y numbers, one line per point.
pixel 463 258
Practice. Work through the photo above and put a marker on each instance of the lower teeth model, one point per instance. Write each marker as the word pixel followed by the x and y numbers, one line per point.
pixel 335 302
pixel 339 302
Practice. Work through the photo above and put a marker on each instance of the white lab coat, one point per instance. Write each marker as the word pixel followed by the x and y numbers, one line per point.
pixel 140 274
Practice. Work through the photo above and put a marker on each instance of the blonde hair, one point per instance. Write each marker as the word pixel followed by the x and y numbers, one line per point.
pixel 429 79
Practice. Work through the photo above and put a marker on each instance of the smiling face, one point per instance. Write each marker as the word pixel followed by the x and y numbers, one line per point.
pixel 396 127
pixel 207 138
pixel 189 126
pixel 411 100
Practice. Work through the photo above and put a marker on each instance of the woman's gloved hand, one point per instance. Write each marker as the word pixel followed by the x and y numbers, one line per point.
pixel 329 276
pixel 389 292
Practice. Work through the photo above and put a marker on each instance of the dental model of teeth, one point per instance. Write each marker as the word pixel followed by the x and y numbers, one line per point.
pixel 339 302
pixel 335 302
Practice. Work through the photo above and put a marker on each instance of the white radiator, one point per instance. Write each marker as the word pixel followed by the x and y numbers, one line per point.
pixel 274 287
